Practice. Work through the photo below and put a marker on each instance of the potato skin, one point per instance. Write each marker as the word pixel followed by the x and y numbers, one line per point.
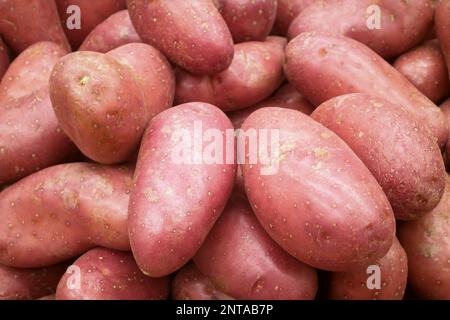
pixel 405 160
pixel 243 261
pixel 255 73
pixel 111 275
pixel 351 17
pixel 4 58
pixel 198 41
pixel 286 13
pixel 335 216
pixel 173 204
pixel 394 274
pixel 114 32
pixel 191 284
pixel 427 244
pixel 62 211
pixel 442 26
pixel 425 67
pixel 324 66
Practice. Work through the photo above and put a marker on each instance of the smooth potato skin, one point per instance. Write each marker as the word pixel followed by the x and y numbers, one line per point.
pixel 174 205
pixel 244 262
pixel 191 284
pixel 425 67
pixel 198 39
pixel 405 160
pixel 427 244
pixel 255 73
pixel 112 33
pixel 335 216
pixel 442 26
pixel 111 275
pixel 4 58
pixel 62 211
pixel 394 274
pixel 323 66
pixel 286 13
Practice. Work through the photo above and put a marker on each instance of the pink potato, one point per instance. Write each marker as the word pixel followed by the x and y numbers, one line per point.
pixel 184 176
pixel 4 58
pixel 442 26
pixel 394 146
pixel 61 212
pixel 106 274
pixel 323 66
pixel 191 284
pixel 387 27
pixel 114 32
pixel 192 34
pixel 287 11
pixel 255 73
pixel 393 268
pixel 312 194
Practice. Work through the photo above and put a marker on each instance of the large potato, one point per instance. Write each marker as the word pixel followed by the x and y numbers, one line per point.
pixel 4 58
pixel 180 187
pixel 62 211
pixel 243 261
pixel 286 13
pixel 192 34
pixel 313 195
pixel 442 26
pixel 323 66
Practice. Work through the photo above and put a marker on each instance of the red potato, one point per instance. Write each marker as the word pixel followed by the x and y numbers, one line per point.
pixel 393 274
pixel 191 284
pixel 425 67
pixel 4 58
pixel 192 34
pixel 114 32
pixel 323 66
pixel 405 160
pixel 315 197
pixel 427 244
pixel 255 73
pixel 244 262
pixel 402 24
pixel 91 14
pixel 106 274
pixel 25 22
pixel 179 189
pixel 286 13
pixel 442 26
pixel 61 212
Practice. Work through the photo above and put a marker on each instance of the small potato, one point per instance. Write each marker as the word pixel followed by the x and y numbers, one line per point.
pixel 192 34
pixel 191 284
pixel 180 186
pixel 114 32
pixel 442 26
pixel 255 73
pixel 61 212
pixel 312 194
pixel 4 58
pixel 393 268
pixel 286 13
pixel 106 274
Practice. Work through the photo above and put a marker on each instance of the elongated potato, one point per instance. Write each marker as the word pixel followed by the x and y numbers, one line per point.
pixel 323 66
pixel 180 186
pixel 105 274
pixel 4 58
pixel 255 73
pixel 287 11
pixel 61 212
pixel 192 34
pixel 312 194
pixel 442 26
pixel 405 160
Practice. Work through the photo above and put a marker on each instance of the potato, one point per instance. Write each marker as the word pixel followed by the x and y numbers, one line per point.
pixel 425 67
pixel 249 20
pixel 255 73
pixel 114 32
pixel 286 13
pixel 92 13
pixel 442 25
pixel 4 58
pixel 313 195
pixel 25 22
pixel 405 160
pixel 244 262
pixel 323 66
pixel 191 284
pixel 61 212
pixel 192 34
pixel 427 244
pixel 401 26
pixel 393 268
pixel 180 186
pixel 106 274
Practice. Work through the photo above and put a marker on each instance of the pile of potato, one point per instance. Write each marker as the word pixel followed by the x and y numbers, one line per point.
pixel 96 97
